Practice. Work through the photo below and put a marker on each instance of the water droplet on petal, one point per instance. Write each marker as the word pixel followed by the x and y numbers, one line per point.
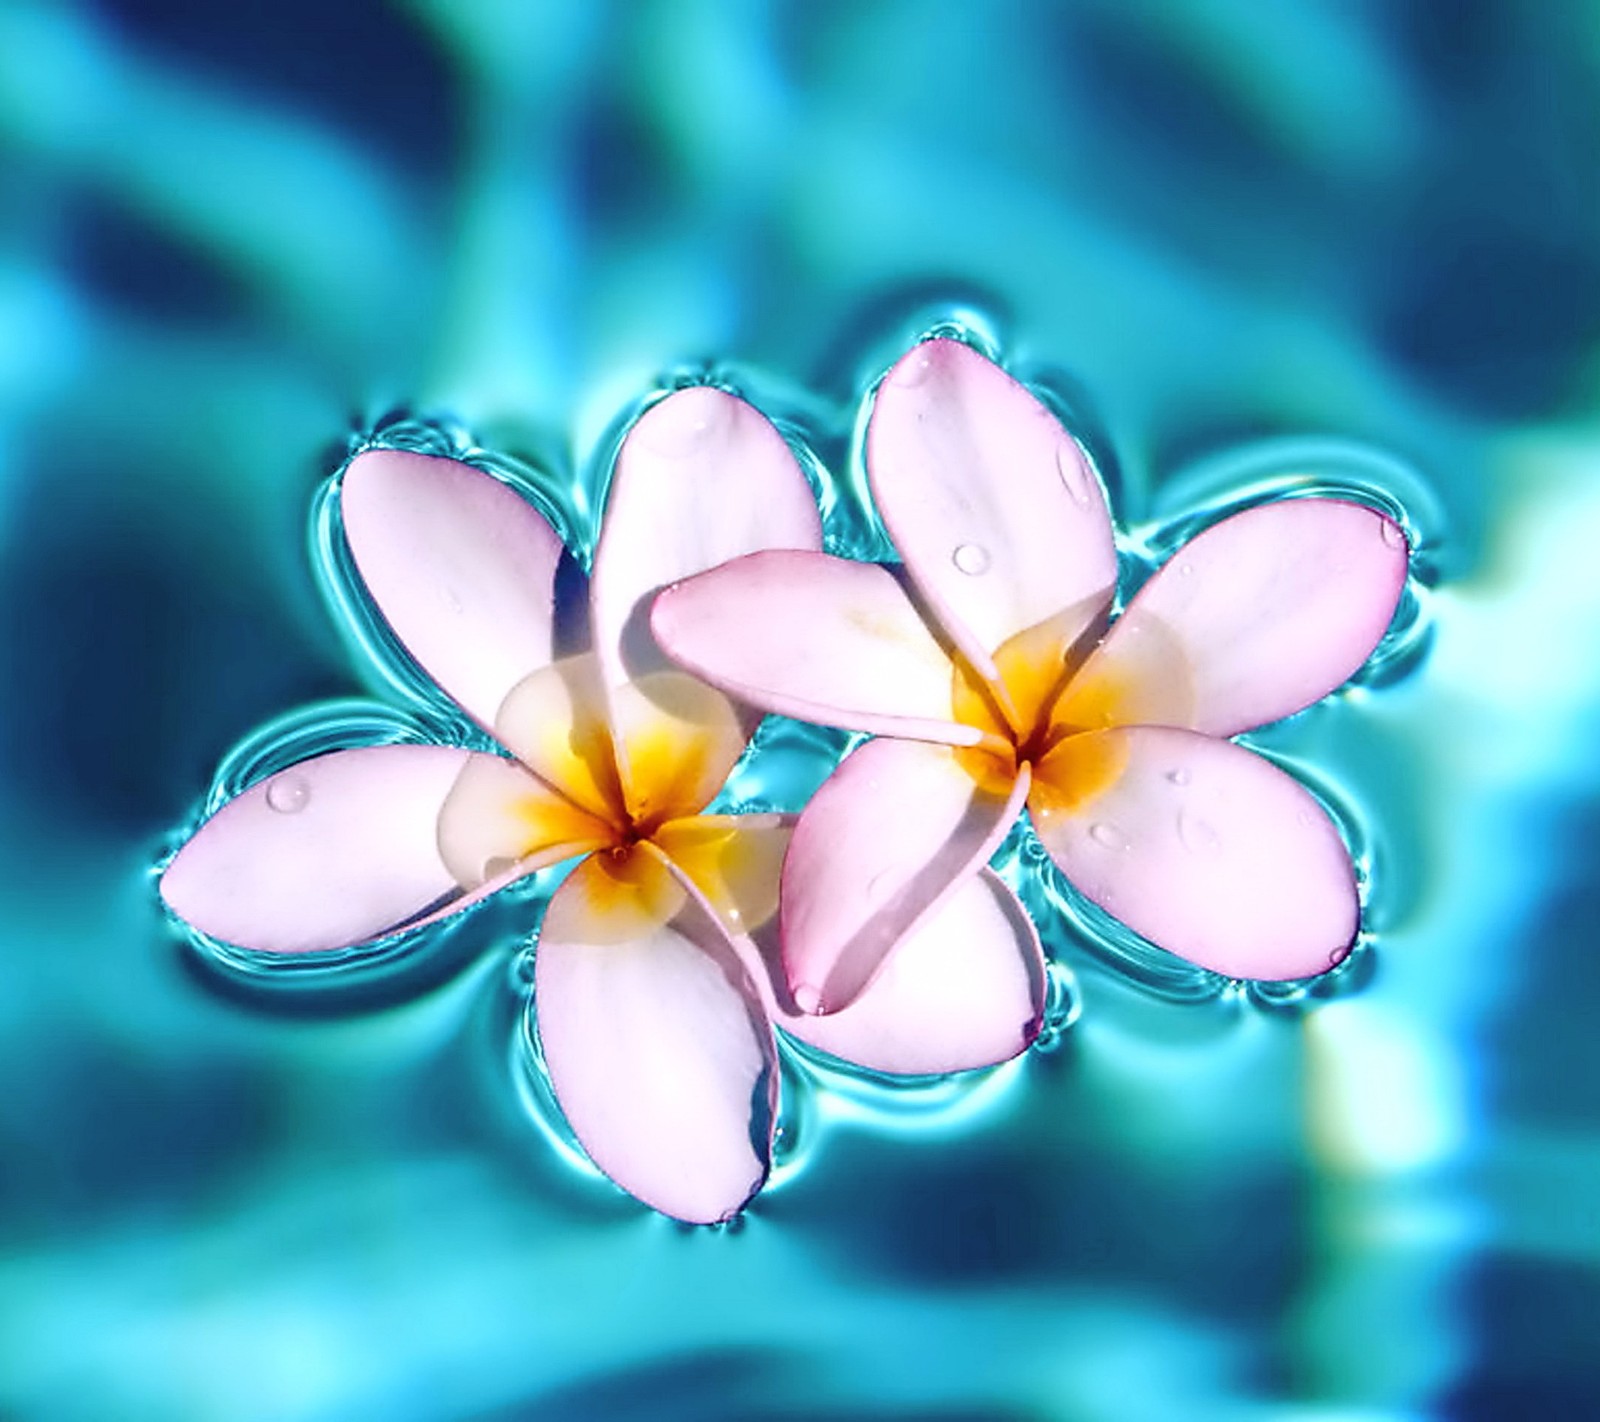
pixel 1185 570
pixel 1338 956
pixel 1069 461
pixel 289 793
pixel 1180 776
pixel 1392 533
pixel 1196 835
pixel 971 559
pixel 807 998
pixel 451 600
pixel 913 370
pixel 1108 836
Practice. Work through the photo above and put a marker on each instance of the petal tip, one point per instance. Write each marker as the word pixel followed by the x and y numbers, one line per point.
pixel 685 420
pixel 175 887
pixel 379 464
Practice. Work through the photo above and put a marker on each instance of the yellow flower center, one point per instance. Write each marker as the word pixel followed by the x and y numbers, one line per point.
pixel 1052 694
pixel 624 776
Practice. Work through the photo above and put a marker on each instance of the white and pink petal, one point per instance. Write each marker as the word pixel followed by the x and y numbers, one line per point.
pixel 499 815
pixel 1257 617
pixel 891 834
pixel 329 853
pixel 965 988
pixel 460 565
pixel 994 507
pixel 1205 848
pixel 657 1046
pixel 817 638
pixel 702 477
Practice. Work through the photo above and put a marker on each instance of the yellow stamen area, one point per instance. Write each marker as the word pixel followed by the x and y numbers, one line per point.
pixel 652 750
pixel 1141 678
pixel 616 895
pixel 734 860
pixel 1074 772
pixel 554 721
pixel 1051 700
pixel 677 739
pixel 552 820
pixel 626 774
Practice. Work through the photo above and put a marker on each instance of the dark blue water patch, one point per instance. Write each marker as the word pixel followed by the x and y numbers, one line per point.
pixel 106 1130
pixel 123 260
pixel 1488 275
pixel 132 672
pixel 1544 1053
pixel 993 1214
pixel 443 1102
pixel 619 172
pixel 1496 317
pixel 370 71
pixel 1534 1324
pixel 1507 1399
pixel 722 1385
pixel 1452 50
pixel 1181 157
pixel 1151 99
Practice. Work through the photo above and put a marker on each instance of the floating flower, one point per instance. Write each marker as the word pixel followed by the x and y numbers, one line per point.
pixel 991 682
pixel 654 1003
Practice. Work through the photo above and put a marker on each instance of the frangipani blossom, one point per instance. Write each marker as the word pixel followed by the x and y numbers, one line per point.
pixel 654 1004
pixel 991 683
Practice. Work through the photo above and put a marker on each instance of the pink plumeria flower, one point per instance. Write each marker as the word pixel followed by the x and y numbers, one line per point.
pixel 655 1007
pixel 992 684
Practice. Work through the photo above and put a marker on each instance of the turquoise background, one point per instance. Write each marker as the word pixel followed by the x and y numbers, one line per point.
pixel 1247 247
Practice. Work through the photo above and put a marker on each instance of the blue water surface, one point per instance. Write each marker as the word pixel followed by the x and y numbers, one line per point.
pixel 1245 251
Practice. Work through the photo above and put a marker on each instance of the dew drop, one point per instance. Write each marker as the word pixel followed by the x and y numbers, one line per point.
pixel 1196 835
pixel 1180 776
pixel 1338 956
pixel 913 370
pixel 451 600
pixel 1185 570
pixel 807 998
pixel 1392 533
pixel 1070 464
pixel 523 969
pixel 289 793
pixel 971 559
pixel 1108 835
pixel 684 421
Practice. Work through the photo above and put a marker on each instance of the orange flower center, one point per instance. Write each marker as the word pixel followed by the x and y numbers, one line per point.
pixel 625 777
pixel 1052 695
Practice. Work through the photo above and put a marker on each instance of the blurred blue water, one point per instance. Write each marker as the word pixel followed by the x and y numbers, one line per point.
pixel 1240 245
